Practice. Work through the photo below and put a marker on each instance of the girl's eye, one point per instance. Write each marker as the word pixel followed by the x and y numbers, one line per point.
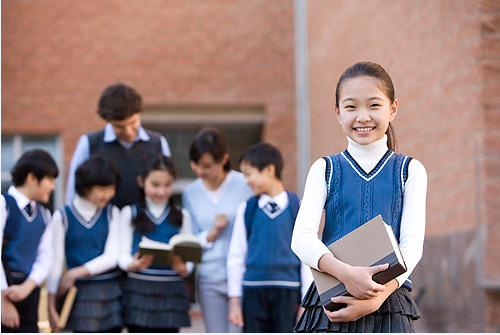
pixel 374 105
pixel 350 107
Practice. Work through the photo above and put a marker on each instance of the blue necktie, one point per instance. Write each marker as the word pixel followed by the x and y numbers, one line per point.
pixel 28 209
pixel 273 207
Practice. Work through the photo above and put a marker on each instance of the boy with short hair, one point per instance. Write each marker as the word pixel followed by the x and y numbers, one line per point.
pixel 26 240
pixel 123 139
pixel 262 268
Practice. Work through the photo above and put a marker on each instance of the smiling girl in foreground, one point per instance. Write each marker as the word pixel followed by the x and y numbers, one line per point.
pixel 354 186
pixel 154 297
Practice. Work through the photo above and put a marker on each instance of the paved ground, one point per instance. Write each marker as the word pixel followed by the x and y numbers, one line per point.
pixel 197 325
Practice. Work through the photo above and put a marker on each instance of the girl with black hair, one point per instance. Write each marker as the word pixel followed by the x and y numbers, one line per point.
pixel 86 242
pixel 212 200
pixel 154 297
pixel 352 187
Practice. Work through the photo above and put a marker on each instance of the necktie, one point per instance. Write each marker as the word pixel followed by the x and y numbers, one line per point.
pixel 28 209
pixel 273 207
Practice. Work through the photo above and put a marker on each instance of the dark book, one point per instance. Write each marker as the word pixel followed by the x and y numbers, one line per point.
pixel 186 246
pixel 373 243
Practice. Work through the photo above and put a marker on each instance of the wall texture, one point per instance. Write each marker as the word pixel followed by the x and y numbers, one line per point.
pixel 58 56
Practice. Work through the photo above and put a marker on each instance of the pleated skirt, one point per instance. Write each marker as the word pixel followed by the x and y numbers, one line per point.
pixel 155 304
pixel 97 306
pixel 395 315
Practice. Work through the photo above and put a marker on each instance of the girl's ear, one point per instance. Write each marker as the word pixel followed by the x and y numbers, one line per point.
pixel 337 111
pixel 224 159
pixel 140 181
pixel 394 110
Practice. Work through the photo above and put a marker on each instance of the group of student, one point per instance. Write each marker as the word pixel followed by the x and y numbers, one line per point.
pixel 258 239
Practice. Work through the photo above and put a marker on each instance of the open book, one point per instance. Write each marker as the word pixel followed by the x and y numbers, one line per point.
pixel 185 245
pixel 371 244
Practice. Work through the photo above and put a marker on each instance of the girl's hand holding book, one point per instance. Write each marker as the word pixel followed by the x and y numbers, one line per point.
pixel 358 281
pixel 357 308
pixel 179 266
pixel 140 263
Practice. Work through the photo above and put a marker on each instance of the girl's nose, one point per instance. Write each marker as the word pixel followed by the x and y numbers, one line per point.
pixel 363 116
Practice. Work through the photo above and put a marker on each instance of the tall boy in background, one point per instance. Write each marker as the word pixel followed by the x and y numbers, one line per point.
pixel 262 269
pixel 123 139
pixel 26 240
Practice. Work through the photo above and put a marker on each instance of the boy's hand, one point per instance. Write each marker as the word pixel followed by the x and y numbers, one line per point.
pixel 358 281
pixel 179 266
pixel 219 225
pixel 235 313
pixel 16 293
pixel 141 263
pixel 10 316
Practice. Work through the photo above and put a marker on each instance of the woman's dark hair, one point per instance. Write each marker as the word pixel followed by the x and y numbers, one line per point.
pixel 374 70
pixel 119 102
pixel 36 161
pixel 212 141
pixel 142 223
pixel 261 155
pixel 98 170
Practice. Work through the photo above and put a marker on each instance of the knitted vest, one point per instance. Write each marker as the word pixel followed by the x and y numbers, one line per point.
pixel 162 233
pixel 127 162
pixel 85 240
pixel 21 237
pixel 270 261
pixel 355 197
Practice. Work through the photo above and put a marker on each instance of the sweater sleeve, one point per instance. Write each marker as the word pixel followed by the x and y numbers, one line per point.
pixel 411 238
pixel 305 241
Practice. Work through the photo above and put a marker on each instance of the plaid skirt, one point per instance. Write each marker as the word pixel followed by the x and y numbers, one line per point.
pixel 155 304
pixel 97 306
pixel 395 315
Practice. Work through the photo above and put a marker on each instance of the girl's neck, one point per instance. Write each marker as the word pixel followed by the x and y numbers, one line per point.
pixel 377 147
pixel 214 184
pixel 367 156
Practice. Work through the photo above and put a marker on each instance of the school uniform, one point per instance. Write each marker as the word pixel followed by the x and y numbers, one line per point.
pixel 126 156
pixel 87 235
pixel 26 238
pixel 203 205
pixel 263 269
pixel 353 187
pixel 153 298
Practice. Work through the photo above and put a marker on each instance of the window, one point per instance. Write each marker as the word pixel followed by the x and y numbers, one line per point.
pixel 13 147
pixel 242 126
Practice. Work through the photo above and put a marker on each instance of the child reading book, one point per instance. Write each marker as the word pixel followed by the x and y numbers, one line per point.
pixel 154 297
pixel 352 187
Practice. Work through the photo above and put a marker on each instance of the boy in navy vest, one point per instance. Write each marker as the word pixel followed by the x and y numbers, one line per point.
pixel 123 139
pixel 262 269
pixel 26 240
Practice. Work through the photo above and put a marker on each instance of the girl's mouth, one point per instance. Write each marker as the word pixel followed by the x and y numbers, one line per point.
pixel 364 129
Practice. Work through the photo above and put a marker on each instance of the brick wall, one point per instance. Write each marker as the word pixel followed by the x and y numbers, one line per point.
pixel 443 57
pixel 58 56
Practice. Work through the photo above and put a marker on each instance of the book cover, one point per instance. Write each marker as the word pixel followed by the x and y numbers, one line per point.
pixel 185 245
pixel 371 244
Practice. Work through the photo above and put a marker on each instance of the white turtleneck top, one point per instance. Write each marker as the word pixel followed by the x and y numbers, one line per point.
pixel 106 261
pixel 305 241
